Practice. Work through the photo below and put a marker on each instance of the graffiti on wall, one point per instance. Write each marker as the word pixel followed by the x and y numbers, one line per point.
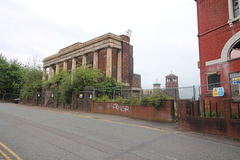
pixel 100 108
pixel 118 107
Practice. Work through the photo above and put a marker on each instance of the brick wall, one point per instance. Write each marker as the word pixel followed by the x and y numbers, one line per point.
pixel 187 121
pixel 136 82
pixel 214 32
pixel 165 113
pixel 127 61
pixel 102 55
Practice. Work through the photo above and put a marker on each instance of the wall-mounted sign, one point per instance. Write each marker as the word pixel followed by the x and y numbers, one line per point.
pixel 80 96
pixel 218 92
pixel 236 80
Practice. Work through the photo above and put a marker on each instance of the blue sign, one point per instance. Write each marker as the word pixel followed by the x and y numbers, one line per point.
pixel 236 82
pixel 218 92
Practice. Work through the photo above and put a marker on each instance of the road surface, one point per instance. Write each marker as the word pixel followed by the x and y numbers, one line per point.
pixel 31 133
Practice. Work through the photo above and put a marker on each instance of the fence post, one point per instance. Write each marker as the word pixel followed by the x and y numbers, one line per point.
pixel 204 108
pixel 192 108
pixel 72 100
pixel 238 111
pixel 194 93
pixel 175 97
pixel 121 91
pixel 210 105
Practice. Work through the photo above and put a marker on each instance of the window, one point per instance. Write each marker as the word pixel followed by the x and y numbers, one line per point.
pixel 235 8
pixel 235 51
pixel 235 86
pixel 234 12
pixel 213 81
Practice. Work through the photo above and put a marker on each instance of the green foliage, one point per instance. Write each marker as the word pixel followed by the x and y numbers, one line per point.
pixel 66 89
pixel 104 98
pixel 156 100
pixel 83 77
pixel 16 78
pixel 133 100
pixel 11 76
pixel 32 81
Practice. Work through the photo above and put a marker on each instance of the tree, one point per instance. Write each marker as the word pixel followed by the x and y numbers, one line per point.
pixel 4 66
pixel 11 76
pixel 32 81
pixel 32 78
pixel 80 78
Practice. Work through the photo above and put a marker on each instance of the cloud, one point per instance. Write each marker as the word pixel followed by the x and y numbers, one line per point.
pixel 164 32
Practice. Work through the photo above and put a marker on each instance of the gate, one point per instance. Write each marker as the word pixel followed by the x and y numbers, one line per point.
pixel 82 100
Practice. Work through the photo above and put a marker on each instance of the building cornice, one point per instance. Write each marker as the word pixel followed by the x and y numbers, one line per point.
pixel 77 49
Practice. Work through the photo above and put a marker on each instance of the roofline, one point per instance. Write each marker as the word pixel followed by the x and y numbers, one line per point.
pixel 85 44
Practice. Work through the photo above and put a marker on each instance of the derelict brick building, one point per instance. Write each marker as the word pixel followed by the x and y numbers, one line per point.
pixel 219 46
pixel 111 54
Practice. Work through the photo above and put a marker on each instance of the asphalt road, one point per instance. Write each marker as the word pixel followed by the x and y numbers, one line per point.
pixel 31 133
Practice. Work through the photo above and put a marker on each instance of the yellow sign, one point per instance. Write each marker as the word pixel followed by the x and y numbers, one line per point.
pixel 236 79
pixel 218 91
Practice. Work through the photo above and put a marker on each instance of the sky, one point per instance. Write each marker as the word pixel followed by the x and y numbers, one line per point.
pixel 164 33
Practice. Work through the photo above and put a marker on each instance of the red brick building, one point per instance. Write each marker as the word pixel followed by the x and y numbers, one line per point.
pixel 109 53
pixel 219 47
pixel 171 81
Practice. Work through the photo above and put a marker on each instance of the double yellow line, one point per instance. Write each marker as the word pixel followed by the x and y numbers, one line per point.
pixel 5 156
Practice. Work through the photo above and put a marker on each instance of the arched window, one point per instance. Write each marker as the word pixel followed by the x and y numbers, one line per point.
pixel 235 51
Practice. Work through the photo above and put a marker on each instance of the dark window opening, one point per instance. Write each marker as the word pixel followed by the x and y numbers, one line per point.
pixel 213 81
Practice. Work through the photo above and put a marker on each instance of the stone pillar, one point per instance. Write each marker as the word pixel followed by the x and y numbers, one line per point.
pixel 57 68
pixel 44 74
pixel 119 67
pixel 74 63
pixel 50 75
pixel 84 61
pixel 109 63
pixel 65 65
pixel 95 60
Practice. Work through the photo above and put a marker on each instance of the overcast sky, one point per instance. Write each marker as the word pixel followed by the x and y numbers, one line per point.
pixel 164 32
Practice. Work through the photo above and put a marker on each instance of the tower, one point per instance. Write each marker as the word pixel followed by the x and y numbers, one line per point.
pixel 156 85
pixel 171 81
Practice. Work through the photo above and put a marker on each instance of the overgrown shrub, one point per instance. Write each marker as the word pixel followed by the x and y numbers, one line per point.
pixel 133 100
pixel 156 100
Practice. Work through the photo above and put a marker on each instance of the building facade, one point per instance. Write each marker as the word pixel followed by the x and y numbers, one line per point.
pixel 171 81
pixel 219 47
pixel 111 54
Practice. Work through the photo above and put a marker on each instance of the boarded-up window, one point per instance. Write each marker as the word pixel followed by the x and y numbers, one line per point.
pixel 235 86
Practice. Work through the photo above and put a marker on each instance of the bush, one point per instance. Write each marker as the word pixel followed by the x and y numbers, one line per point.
pixel 156 100
pixel 104 98
pixel 133 100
